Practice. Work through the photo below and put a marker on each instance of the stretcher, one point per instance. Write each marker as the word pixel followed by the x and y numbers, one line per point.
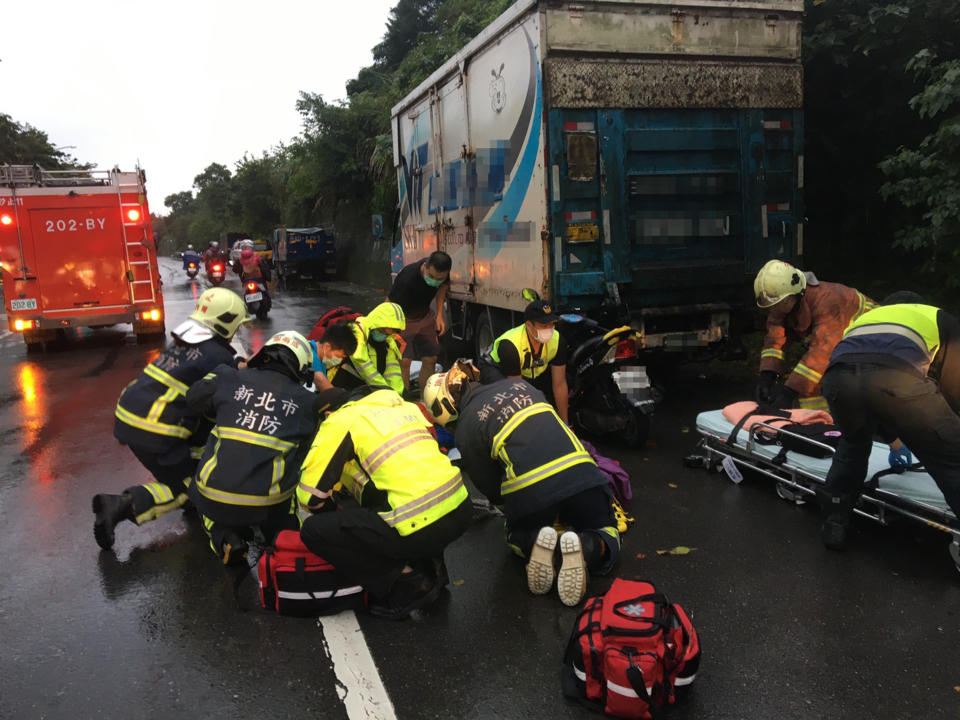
pixel 911 494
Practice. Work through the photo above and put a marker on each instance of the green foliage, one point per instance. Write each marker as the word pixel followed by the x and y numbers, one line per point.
pixel 22 144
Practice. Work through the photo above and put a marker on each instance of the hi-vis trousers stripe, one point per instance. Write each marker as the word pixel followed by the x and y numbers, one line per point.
pixel 552 468
pixel 772 353
pixel 435 497
pixel 814 402
pixel 809 373
pixel 404 440
pixel 165 502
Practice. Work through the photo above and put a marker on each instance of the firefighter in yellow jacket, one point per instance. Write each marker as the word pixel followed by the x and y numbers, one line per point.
pixel 376 361
pixel 410 501
pixel 804 308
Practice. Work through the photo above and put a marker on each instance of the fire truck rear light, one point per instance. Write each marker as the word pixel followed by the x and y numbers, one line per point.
pixel 6 220
pixel 627 348
pixel 133 214
pixel 21 325
pixel 151 315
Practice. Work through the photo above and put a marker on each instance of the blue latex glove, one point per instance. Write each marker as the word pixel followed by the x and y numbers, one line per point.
pixel 900 458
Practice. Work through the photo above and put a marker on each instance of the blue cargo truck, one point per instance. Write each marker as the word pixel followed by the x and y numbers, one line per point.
pixel 304 254
pixel 643 156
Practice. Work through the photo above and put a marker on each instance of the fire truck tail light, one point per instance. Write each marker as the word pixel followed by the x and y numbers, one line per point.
pixel 151 315
pixel 133 214
pixel 6 219
pixel 21 325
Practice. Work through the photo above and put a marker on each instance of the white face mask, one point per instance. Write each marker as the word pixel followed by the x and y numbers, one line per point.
pixel 544 334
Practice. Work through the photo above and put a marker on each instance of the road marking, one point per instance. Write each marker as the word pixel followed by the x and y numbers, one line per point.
pixel 358 683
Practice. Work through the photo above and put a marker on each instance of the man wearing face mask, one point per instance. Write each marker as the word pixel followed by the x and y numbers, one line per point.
pixel 539 352
pixel 414 289
pixel 337 343
pixel 376 360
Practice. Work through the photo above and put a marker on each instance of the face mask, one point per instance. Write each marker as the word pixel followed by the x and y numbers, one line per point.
pixel 377 336
pixel 432 282
pixel 544 335
pixel 332 362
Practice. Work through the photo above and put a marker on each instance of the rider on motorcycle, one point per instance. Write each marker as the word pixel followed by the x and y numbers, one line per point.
pixel 214 253
pixel 252 268
pixel 190 256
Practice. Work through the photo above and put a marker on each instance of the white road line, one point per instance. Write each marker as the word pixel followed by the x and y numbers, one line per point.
pixel 358 682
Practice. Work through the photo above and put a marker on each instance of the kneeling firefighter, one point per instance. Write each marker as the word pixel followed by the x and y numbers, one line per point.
pixel 153 420
pixel 521 455
pixel 249 468
pixel 376 360
pixel 411 502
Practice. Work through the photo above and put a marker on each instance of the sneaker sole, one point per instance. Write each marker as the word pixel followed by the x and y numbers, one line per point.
pixel 572 578
pixel 540 565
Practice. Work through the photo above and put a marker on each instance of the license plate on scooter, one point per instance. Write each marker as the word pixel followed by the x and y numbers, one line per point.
pixel 253 297
pixel 631 380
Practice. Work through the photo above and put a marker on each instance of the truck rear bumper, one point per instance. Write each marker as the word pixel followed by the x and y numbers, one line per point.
pixel 55 322
pixel 683 328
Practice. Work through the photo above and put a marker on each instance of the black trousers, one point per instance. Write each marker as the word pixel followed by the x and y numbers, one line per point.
pixel 589 513
pixel 864 397
pixel 279 517
pixel 172 471
pixel 371 553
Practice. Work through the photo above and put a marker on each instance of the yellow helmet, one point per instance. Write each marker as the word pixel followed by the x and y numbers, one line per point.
pixel 441 392
pixel 776 281
pixel 221 310
pixel 296 343
pixel 299 364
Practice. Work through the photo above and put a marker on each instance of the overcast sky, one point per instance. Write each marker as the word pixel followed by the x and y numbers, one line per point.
pixel 174 84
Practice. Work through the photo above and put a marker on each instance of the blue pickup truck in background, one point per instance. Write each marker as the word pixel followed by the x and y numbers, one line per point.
pixel 304 254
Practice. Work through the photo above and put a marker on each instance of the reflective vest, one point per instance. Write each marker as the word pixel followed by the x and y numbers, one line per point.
pixel 394 455
pixel 264 421
pixel 152 411
pixel 366 362
pixel 531 365
pixel 909 333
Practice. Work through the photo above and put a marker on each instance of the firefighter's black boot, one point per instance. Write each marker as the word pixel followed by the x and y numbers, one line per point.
pixel 837 514
pixel 110 510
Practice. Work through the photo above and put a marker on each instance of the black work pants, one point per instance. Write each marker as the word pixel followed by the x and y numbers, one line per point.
pixel 589 513
pixel 276 518
pixel 173 471
pixel 372 554
pixel 864 397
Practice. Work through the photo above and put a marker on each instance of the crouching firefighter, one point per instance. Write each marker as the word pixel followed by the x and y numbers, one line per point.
pixel 521 455
pixel 376 359
pixel 264 418
pixel 153 420
pixel 410 501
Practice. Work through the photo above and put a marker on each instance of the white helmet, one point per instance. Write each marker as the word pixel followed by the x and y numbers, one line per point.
pixel 441 392
pixel 189 247
pixel 221 310
pixel 214 243
pixel 776 281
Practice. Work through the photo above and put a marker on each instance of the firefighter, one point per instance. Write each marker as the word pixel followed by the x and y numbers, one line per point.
pixel 410 500
pixel 264 418
pixel 376 361
pixel 813 311
pixel 896 372
pixel 153 420
pixel 521 455
pixel 330 351
pixel 536 348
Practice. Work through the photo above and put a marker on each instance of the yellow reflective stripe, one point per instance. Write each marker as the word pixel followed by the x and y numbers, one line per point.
pixel 772 353
pixel 253 438
pixel 162 509
pixel 313 491
pixel 158 428
pixel 552 468
pixel 160 404
pixel 512 423
pixel 209 376
pixel 197 452
pixel 246 500
pixel 375 459
pixel 161 493
pixel 814 402
pixel 808 373
pixel 435 497
pixel 278 467
pixel 209 465
pixel 166 379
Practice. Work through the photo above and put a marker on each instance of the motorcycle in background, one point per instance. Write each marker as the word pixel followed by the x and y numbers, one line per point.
pixel 192 269
pixel 215 271
pixel 257 298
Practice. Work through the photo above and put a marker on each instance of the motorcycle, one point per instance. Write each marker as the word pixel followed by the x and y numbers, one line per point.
pixel 215 271
pixel 257 298
pixel 192 269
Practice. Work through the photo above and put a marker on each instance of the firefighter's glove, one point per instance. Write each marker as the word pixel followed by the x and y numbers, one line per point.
pixel 900 458
pixel 764 392
pixel 784 398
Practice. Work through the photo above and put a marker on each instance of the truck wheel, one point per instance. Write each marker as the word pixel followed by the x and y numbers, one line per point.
pixel 483 334
pixel 637 431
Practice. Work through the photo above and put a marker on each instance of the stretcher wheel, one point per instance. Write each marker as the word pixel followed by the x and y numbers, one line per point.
pixel 785 492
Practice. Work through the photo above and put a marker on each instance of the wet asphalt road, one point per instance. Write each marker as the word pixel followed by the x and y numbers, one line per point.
pixel 788 629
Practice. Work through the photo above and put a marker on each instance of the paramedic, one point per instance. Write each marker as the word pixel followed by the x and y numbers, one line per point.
pixel 329 352
pixel 897 369
pixel 265 418
pixel 519 454
pixel 539 352
pixel 415 287
pixel 376 361
pixel 153 420
pixel 410 500
pixel 806 309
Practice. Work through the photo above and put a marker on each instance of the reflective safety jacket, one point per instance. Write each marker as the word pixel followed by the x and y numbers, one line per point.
pixel 380 448
pixel 532 365
pixel 152 410
pixel 821 315
pixel 518 451
pixel 263 424
pixel 374 363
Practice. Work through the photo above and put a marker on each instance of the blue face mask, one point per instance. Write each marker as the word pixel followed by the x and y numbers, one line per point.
pixel 432 282
pixel 377 336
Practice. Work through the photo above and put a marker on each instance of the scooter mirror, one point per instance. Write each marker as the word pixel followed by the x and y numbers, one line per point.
pixel 571 318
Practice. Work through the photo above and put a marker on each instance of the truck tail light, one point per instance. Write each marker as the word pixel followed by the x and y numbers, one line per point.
pixel 6 219
pixel 133 214
pixel 626 348
pixel 21 325
pixel 151 315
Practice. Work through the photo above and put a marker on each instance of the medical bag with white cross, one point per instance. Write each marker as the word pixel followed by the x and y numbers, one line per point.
pixel 631 652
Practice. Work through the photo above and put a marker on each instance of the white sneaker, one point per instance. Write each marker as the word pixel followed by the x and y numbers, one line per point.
pixel 540 567
pixel 572 578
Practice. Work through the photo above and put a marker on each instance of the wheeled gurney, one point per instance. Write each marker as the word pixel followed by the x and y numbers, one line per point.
pixel 912 494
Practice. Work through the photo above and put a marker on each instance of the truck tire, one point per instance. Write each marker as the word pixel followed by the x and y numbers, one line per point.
pixel 484 332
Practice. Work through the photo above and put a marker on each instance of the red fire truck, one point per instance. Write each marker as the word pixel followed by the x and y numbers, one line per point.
pixel 77 250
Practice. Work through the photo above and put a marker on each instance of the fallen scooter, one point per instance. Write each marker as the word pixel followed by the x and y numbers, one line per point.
pixel 257 298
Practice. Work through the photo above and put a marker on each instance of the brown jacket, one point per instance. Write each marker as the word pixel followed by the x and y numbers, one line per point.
pixel 821 315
